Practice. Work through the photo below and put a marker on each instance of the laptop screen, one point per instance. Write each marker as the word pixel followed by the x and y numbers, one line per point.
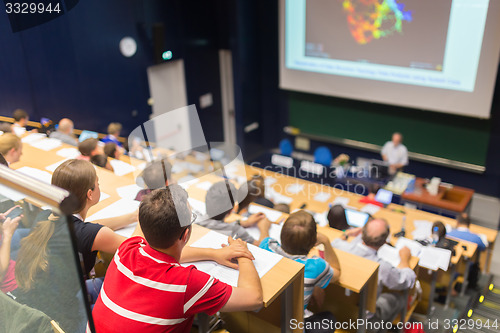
pixel 384 196
pixel 356 219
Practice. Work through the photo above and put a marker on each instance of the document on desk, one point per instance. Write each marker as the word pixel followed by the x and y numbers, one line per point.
pixel 423 229
pixel 321 219
pixel 129 191
pixel 343 201
pixel 46 144
pixel 121 168
pixel 322 196
pixel 127 231
pixel 10 193
pixel 370 209
pixel 434 258
pixel 118 208
pixel 204 185
pixel 33 137
pixel 272 215
pixel 54 166
pixel 276 197
pixel 264 260
pixel 274 231
pixel 68 152
pixel 198 207
pixel 389 254
pixel 43 176
pixel 268 181
pixel 294 188
pixel 415 247
pixel 178 167
pixel 104 196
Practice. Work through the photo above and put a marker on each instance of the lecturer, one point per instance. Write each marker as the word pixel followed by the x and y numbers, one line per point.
pixel 395 153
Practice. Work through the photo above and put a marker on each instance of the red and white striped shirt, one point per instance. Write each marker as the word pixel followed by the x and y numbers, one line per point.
pixel 148 291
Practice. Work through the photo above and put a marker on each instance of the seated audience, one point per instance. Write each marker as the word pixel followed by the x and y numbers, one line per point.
pixel 336 218
pixel 144 267
pixel 368 241
pixel 155 175
pixel 462 231
pixel 102 161
pixel 21 119
pixel 65 132
pixel 114 130
pixel 112 150
pixel 298 237
pixel 284 208
pixel 11 147
pixel 220 203
pixel 395 153
pixel 7 265
pixel 261 197
pixel 89 148
pixel 370 198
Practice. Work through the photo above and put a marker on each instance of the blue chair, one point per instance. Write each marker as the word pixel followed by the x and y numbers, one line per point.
pixel 286 147
pixel 322 155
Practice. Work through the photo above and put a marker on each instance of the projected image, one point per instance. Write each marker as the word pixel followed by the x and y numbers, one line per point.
pixel 403 33
pixel 370 19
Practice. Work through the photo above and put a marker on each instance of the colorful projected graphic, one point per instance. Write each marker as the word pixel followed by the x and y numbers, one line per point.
pixel 374 19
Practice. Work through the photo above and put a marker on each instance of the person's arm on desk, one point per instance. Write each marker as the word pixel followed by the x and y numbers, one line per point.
pixel 263 225
pixel 118 222
pixel 252 220
pixel 247 296
pixel 330 255
pixel 405 256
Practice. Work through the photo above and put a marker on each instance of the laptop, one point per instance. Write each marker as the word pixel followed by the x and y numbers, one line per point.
pixel 355 218
pixel 384 196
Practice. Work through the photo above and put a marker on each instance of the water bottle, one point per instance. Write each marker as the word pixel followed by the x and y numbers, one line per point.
pixel 435 236
pixel 403 224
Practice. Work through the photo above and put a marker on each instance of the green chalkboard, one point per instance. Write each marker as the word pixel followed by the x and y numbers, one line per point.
pixel 453 137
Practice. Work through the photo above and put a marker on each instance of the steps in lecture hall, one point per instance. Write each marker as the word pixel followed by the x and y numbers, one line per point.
pixel 489 309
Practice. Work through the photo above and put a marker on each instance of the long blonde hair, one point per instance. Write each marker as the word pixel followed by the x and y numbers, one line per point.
pixel 77 177
pixel 32 257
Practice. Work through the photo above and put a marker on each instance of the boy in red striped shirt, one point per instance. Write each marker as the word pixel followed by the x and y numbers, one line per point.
pixel 147 290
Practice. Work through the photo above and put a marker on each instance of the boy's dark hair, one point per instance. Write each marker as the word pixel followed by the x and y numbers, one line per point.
pixel 110 149
pixel 284 208
pixel 299 234
pixel 441 229
pixel 156 173
pixel 163 216
pixel 336 218
pixel 19 114
pixel 86 147
pixel 220 200
pixel 247 194
pixel 463 219
pixel 99 160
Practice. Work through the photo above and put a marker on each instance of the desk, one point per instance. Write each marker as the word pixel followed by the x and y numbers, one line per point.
pixel 452 200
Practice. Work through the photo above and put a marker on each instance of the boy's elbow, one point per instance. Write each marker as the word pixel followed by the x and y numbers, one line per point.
pixel 257 300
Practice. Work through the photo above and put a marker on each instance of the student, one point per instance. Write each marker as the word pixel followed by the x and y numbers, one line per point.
pixel 220 203
pixel 368 241
pixel 284 208
pixel 155 175
pixel 462 231
pixel 111 150
pixel 298 237
pixel 11 147
pixel 395 153
pixel 370 198
pixel 21 119
pixel 7 265
pixel 101 160
pixel 65 132
pixel 261 198
pixel 336 218
pixel 89 148
pixel 147 290
pixel 114 130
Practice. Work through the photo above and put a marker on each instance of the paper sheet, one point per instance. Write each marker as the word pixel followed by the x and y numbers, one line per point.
pixel 46 144
pixel 104 196
pixel 118 208
pixel 423 229
pixel 343 201
pixel 204 185
pixel 274 231
pixel 129 191
pixel 294 188
pixel 54 166
pixel 276 197
pixel 389 254
pixel 321 219
pixel 268 181
pixel 127 231
pixel 10 193
pixel 121 168
pixel 272 215
pixel 68 152
pixel 186 181
pixel 322 196
pixel 370 209
pixel 194 168
pixel 264 260
pixel 33 137
pixel 198 207
pixel 434 258
pixel 415 247
pixel 43 176
pixel 178 167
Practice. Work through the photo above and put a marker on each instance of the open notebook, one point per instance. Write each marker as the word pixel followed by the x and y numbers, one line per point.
pixel 264 260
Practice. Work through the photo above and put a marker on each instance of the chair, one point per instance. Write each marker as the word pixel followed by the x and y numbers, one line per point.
pixel 322 155
pixel 286 147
